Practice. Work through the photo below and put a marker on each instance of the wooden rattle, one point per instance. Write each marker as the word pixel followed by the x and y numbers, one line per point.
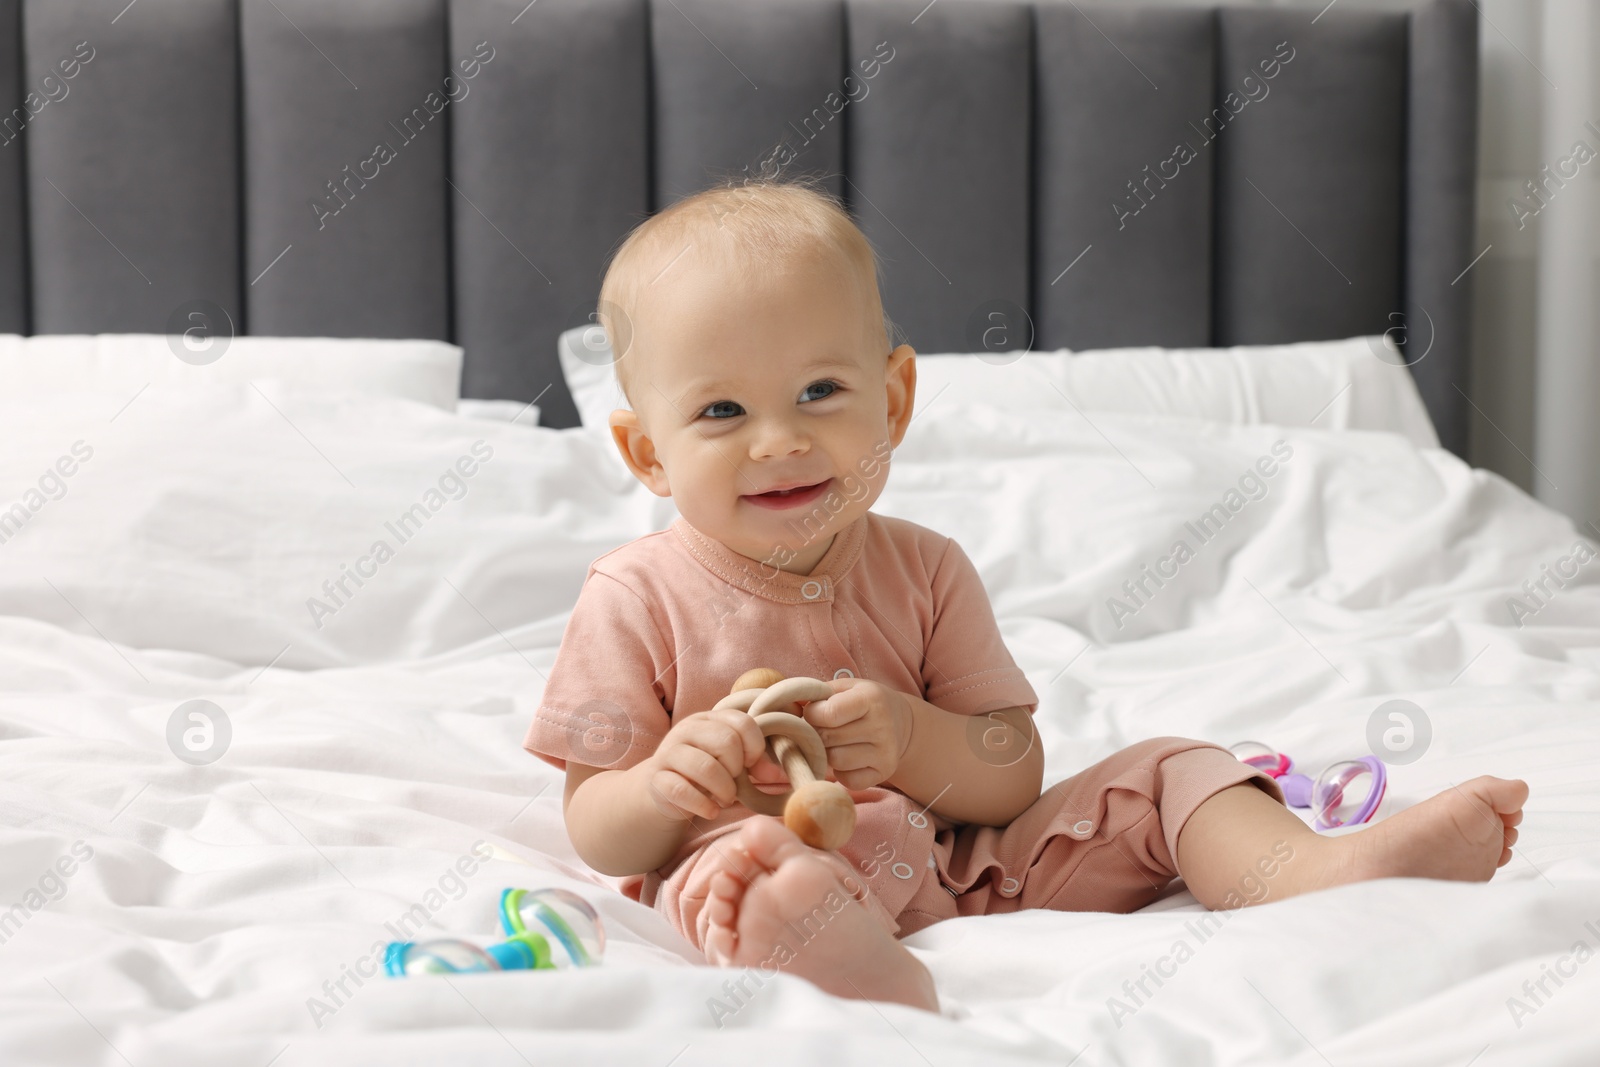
pixel 821 813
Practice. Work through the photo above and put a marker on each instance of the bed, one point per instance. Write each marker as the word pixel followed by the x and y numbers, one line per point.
pixel 196 492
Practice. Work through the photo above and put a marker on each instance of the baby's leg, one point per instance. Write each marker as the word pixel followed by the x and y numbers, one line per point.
pixel 775 903
pixel 1243 847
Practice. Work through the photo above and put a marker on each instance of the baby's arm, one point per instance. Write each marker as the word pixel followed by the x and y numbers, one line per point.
pixel 982 768
pixel 985 768
pixel 625 822
pixel 614 824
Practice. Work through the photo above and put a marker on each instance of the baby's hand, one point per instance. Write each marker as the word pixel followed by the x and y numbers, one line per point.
pixel 692 772
pixel 865 726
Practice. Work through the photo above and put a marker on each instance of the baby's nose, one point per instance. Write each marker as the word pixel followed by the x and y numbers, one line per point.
pixel 779 438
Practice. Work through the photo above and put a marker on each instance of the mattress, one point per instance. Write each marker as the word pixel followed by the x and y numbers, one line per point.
pixel 181 898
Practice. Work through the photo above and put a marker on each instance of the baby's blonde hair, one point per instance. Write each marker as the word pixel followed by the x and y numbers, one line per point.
pixel 757 222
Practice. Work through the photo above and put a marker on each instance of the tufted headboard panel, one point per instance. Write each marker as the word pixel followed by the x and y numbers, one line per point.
pixel 1096 174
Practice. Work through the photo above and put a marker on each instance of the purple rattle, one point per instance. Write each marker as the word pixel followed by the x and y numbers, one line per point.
pixel 1336 798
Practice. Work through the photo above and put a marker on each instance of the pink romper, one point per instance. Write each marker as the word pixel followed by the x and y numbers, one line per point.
pixel 665 624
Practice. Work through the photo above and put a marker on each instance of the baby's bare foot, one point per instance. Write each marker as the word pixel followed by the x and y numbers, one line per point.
pixel 776 903
pixel 1462 834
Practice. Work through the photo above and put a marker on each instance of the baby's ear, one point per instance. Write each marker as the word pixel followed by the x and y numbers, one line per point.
pixel 901 386
pixel 638 451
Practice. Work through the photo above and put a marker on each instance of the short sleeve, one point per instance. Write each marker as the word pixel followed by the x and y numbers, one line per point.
pixel 602 706
pixel 967 669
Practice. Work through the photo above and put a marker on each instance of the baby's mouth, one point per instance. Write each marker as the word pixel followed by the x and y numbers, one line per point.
pixel 779 500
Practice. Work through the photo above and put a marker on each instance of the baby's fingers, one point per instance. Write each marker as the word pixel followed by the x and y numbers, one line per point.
pixel 677 798
pixel 707 770
pixel 747 743
pixel 854 757
pixel 830 712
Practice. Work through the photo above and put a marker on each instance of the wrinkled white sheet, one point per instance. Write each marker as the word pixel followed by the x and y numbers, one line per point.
pixel 373 752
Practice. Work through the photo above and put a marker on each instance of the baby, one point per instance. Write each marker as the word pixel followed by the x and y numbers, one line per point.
pixel 766 399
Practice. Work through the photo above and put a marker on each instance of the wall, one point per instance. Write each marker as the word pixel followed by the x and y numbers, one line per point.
pixel 1536 361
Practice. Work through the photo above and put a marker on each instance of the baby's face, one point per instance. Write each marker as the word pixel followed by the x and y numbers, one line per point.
pixel 747 387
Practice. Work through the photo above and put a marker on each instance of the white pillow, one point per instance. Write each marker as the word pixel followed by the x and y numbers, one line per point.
pixel 425 371
pixel 1329 384
pixel 586 367
pixel 1340 385
pixel 513 411
pixel 244 522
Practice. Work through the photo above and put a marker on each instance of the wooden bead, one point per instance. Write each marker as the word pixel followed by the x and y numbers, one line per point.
pixel 757 678
pixel 822 814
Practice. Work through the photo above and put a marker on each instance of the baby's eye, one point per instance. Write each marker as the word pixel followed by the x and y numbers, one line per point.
pixel 827 384
pixel 722 406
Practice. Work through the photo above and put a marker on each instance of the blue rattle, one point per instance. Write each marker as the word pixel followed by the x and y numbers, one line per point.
pixel 546 930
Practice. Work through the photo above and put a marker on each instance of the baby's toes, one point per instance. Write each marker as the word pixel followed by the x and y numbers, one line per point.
pixel 719 946
pixel 724 895
pixel 1505 850
pixel 722 914
pixel 722 900
pixel 1505 796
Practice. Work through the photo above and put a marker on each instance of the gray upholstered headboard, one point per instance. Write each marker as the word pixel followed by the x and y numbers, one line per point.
pixel 305 165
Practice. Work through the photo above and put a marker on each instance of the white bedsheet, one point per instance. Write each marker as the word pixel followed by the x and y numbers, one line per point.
pixel 377 750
